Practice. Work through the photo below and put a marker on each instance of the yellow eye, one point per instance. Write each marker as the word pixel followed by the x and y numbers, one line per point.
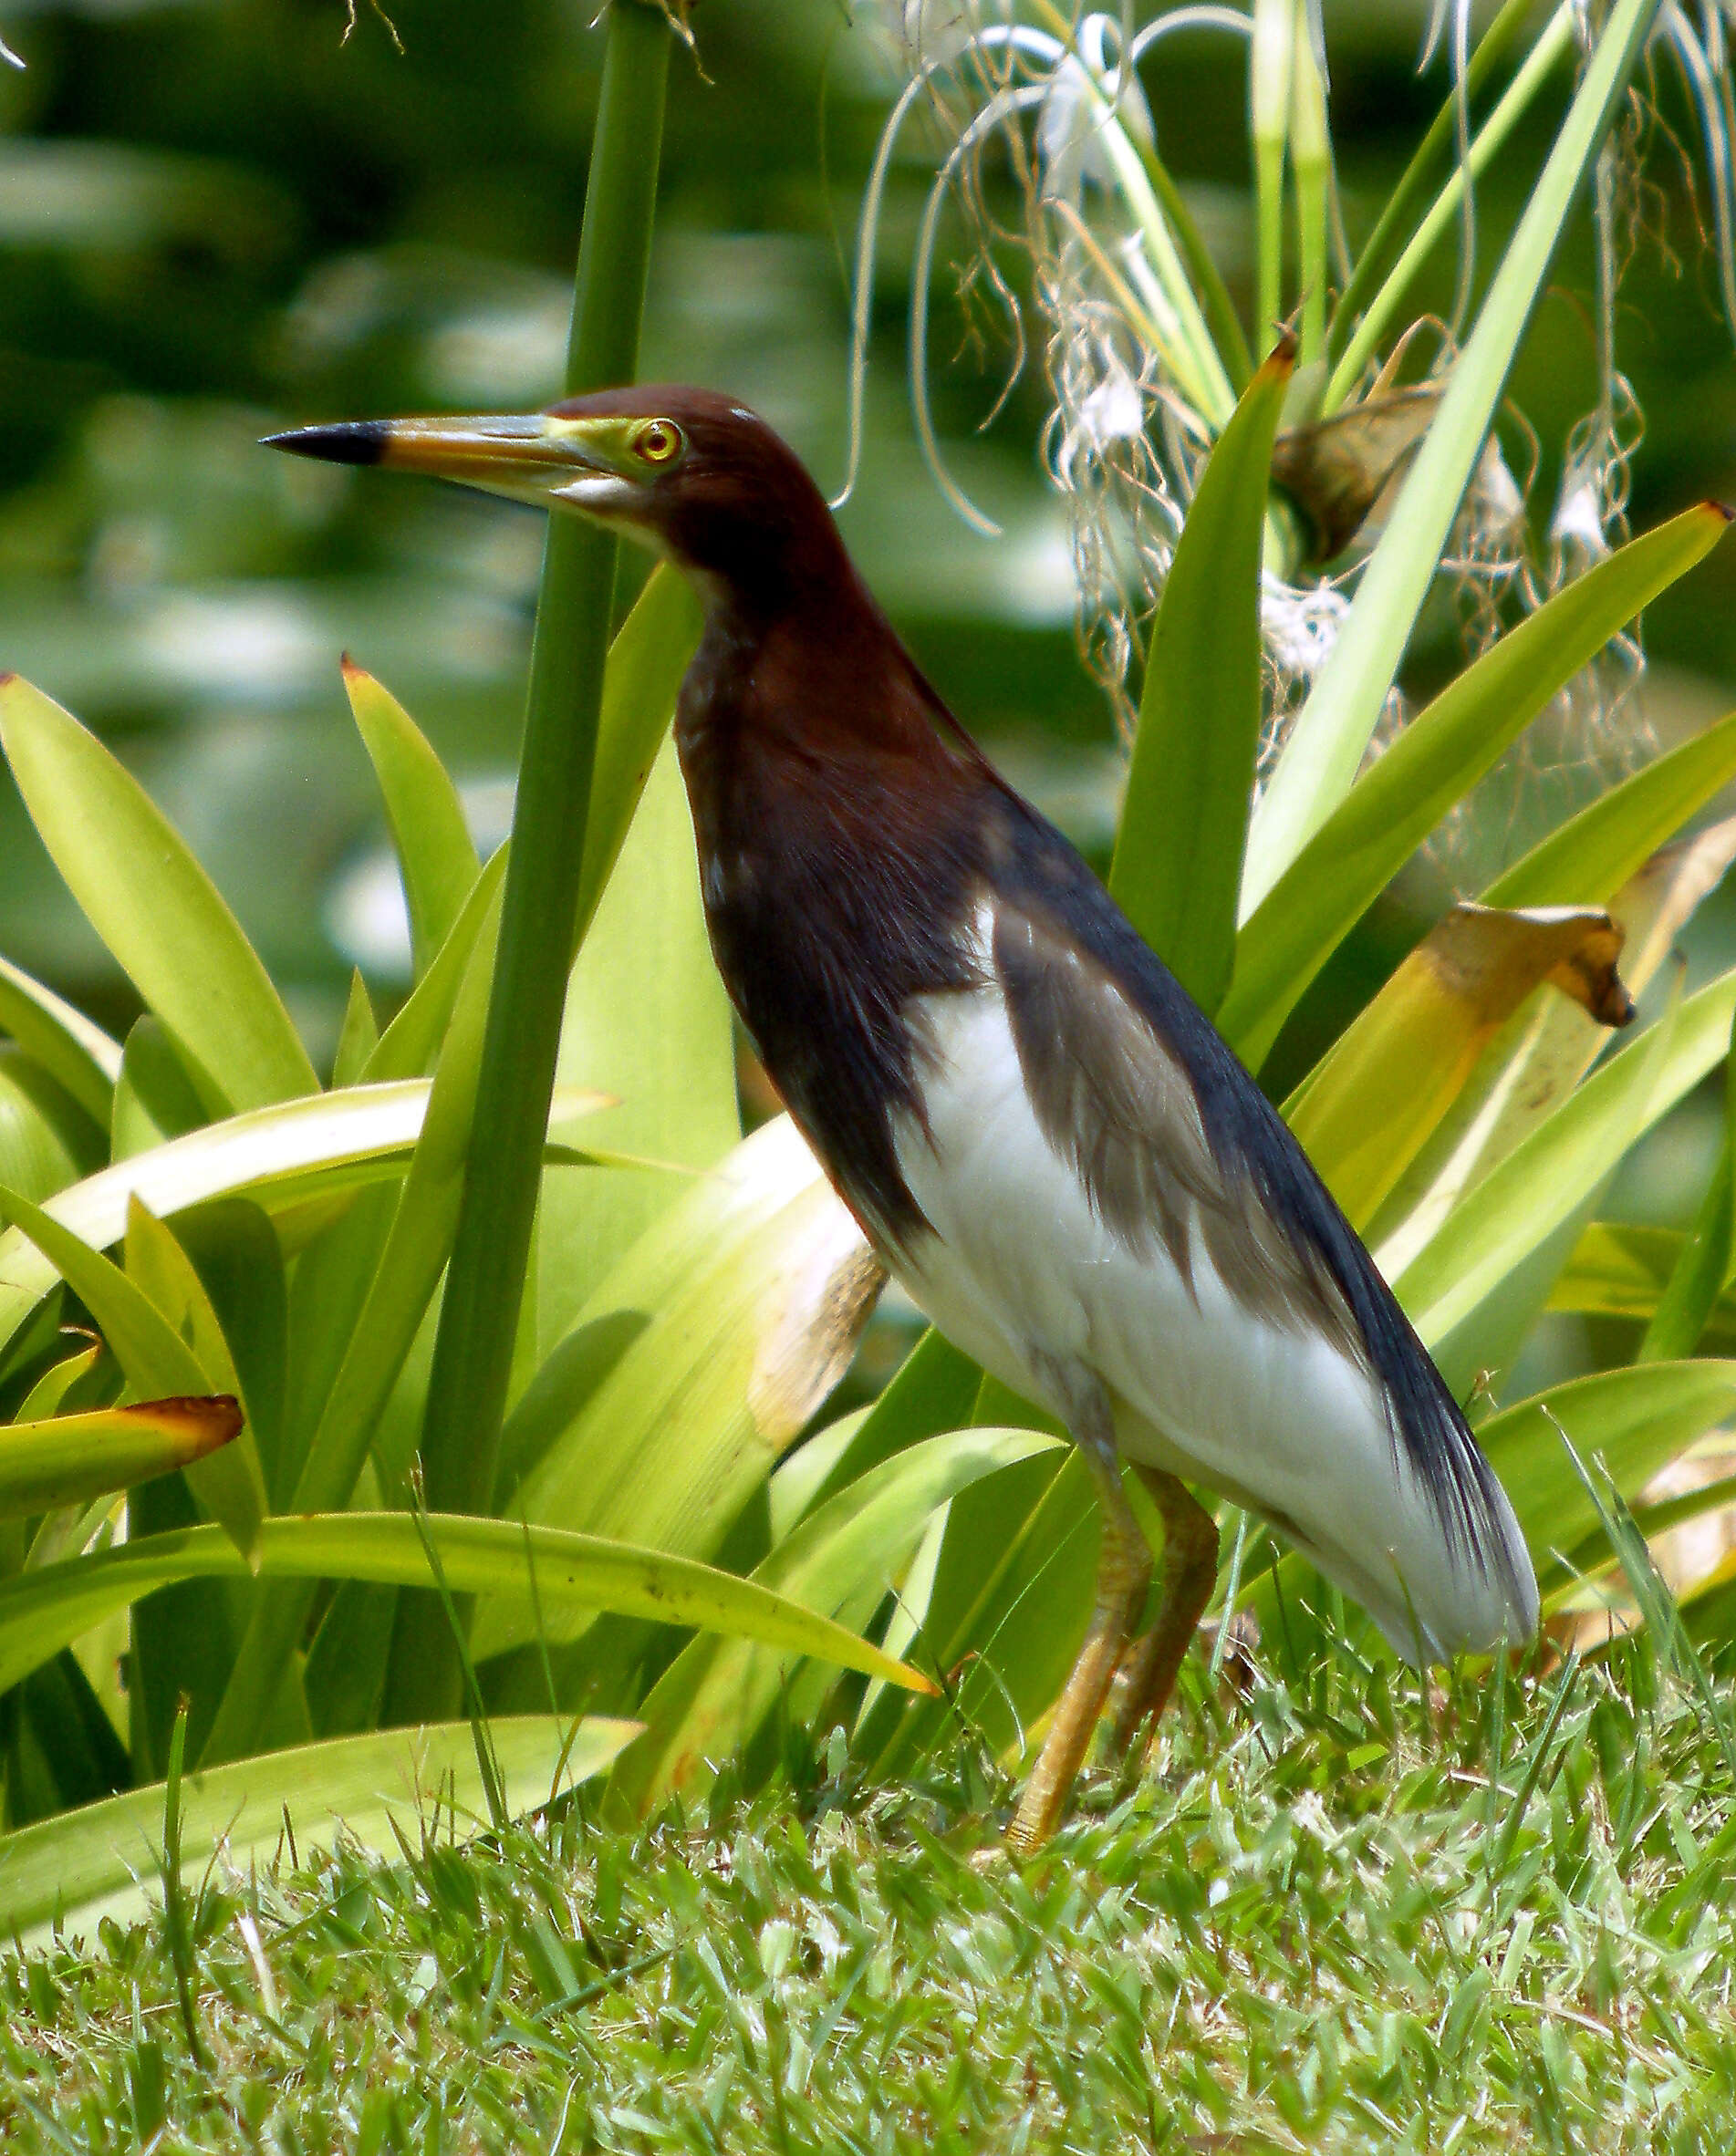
pixel 658 440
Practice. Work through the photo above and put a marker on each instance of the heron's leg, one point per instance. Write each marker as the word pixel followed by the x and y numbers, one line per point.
pixel 1124 1572
pixel 1190 1569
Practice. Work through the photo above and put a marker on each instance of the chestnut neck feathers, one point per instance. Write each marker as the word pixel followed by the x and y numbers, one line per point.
pixel 840 816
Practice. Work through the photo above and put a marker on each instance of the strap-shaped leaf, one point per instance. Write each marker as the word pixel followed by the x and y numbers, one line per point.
pixel 47 1140
pixel 158 1361
pixel 278 1156
pixel 659 1037
pixel 70 1458
pixel 1178 859
pixel 393 1300
pixel 1444 750
pixel 647 662
pixel 432 842
pixel 1546 1178
pixel 1619 1270
pixel 713 1696
pixel 755 1282
pixel 44 1610
pixel 1338 719
pixel 1698 1275
pixel 154 906
pixel 1587 859
pixel 1543 1053
pixel 934 1390
pixel 1635 1420
pixel 1365 1112
pixel 408 1047
pixel 67 1045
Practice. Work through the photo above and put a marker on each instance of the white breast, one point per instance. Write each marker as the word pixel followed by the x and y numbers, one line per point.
pixel 1023 1276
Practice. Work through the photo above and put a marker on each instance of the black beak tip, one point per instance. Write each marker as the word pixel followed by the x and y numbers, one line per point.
pixel 350 441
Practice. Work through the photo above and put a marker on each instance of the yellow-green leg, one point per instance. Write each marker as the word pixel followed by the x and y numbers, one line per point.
pixel 1124 1574
pixel 1189 1570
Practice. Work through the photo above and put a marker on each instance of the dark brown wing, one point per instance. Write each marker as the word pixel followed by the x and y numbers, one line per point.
pixel 1135 1085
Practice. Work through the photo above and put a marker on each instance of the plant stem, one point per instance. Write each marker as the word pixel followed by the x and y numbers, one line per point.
pixel 485 1285
pixel 1406 197
pixel 1275 30
pixel 1310 154
pixel 1334 727
pixel 1221 320
pixel 1540 64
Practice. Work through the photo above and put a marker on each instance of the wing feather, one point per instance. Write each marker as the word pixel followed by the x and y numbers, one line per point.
pixel 1133 1084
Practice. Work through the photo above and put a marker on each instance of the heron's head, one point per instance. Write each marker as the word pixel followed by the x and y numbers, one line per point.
pixel 693 474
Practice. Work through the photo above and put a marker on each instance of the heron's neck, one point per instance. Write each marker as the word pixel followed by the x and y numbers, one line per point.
pixel 820 677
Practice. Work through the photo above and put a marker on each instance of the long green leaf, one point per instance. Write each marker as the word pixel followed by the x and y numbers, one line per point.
pixel 408 1047
pixel 435 856
pixel 529 1567
pixel 1587 860
pixel 71 1457
pixel 1011 1595
pixel 154 1098
pixel 47 1140
pixel 159 1362
pixel 647 662
pixel 1620 1270
pixel 1447 209
pixel 479 1311
pixel 1367 1109
pixel 1177 870
pixel 395 1296
pixel 659 1037
pixel 67 1045
pixel 154 906
pixel 1545 1179
pixel 1368 836
pixel 69 1872
pixel 755 1285
pixel 278 1156
pixel 1543 1053
pixel 1398 212
pixel 934 1391
pixel 717 1691
pixel 1339 717
pixel 1635 1420
pixel 1691 1293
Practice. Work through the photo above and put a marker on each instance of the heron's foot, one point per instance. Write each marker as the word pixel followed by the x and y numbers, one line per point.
pixel 1075 1721
pixel 1124 1574
pixel 1189 1571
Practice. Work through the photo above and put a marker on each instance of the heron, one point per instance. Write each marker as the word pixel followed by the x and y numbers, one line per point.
pixel 1044 1137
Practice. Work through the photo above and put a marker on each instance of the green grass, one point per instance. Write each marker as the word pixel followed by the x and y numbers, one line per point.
pixel 1322 1923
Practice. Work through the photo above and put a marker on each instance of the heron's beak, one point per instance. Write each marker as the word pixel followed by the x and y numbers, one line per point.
pixel 537 456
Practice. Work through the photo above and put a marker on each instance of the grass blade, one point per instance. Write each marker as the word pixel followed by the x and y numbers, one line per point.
pixel 88 1863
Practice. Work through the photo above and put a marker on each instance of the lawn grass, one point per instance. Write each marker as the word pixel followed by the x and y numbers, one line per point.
pixel 1341 1914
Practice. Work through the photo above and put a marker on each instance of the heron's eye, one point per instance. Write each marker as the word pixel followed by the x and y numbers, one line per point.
pixel 658 440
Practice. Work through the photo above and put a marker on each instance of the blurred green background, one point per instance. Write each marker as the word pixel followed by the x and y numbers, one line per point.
pixel 218 217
